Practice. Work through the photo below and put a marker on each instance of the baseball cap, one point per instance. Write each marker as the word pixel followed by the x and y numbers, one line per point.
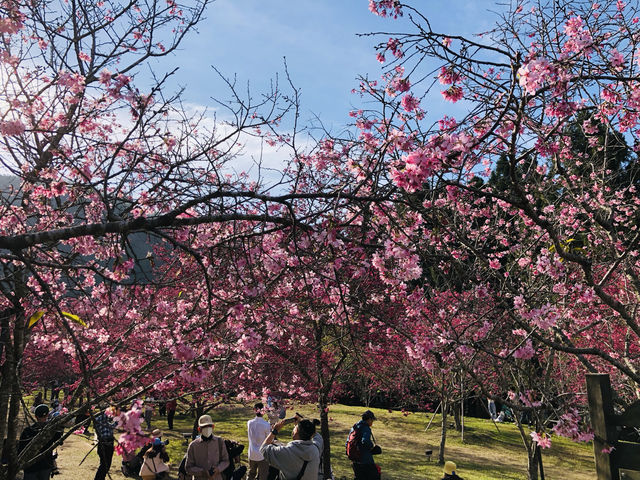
pixel 41 410
pixel 368 415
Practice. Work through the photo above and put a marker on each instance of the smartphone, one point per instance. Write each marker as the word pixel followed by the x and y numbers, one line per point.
pixel 294 419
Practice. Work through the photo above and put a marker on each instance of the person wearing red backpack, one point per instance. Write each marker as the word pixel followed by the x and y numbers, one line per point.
pixel 361 447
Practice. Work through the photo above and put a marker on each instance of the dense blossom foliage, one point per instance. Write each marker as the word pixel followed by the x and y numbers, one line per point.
pixel 529 196
pixel 495 251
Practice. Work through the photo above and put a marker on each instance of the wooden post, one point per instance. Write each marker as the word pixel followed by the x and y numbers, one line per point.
pixel 434 416
pixel 462 408
pixel 601 410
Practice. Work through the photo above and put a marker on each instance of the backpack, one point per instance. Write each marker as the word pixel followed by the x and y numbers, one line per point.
pixel 182 471
pixel 354 441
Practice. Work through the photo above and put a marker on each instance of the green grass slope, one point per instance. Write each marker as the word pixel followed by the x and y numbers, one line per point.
pixel 486 453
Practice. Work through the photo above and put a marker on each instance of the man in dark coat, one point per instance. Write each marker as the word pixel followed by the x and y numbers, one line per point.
pixel 41 469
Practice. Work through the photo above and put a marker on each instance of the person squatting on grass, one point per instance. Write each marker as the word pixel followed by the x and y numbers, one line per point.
pixel 154 466
pixel 450 472
pixel 300 458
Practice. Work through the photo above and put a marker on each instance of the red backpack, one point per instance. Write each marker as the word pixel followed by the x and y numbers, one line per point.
pixel 354 441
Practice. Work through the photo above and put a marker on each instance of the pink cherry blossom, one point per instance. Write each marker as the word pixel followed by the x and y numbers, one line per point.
pixel 12 128
pixel 453 93
pixel 410 103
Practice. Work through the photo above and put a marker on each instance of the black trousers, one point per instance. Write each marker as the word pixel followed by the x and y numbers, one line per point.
pixel 365 471
pixel 170 415
pixel 105 452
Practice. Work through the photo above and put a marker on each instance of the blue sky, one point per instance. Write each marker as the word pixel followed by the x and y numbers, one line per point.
pixel 249 38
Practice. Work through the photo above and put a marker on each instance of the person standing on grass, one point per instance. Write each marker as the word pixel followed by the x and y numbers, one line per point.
pixel 104 427
pixel 207 455
pixel 364 467
pixel 148 411
pixel 40 470
pixel 299 458
pixel 171 412
pixel 257 429
pixel 277 413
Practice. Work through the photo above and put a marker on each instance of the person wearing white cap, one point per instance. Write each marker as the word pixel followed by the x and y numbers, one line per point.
pixel 207 455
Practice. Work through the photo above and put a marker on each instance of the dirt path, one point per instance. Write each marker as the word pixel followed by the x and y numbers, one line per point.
pixel 77 446
pixel 71 454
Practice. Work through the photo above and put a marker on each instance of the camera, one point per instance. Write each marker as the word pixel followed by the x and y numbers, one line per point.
pixel 156 447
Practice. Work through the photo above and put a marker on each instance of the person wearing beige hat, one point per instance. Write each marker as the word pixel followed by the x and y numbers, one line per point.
pixel 207 455
pixel 450 471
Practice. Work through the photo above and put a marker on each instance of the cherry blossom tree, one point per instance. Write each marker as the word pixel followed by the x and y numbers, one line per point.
pixel 120 208
pixel 529 193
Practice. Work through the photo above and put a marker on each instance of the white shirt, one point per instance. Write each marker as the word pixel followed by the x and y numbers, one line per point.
pixel 258 429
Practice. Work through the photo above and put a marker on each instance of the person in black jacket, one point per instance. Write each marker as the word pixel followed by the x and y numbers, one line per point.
pixel 41 469
pixel 450 472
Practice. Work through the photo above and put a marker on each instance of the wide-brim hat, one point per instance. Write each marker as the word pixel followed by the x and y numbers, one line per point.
pixel 205 420
pixel 449 467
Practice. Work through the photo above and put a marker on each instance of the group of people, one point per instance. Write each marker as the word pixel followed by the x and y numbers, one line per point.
pixel 299 459
pixel 505 414
pixel 210 457
pixel 165 407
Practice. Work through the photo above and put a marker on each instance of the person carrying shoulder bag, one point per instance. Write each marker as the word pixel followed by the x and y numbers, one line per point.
pixel 153 466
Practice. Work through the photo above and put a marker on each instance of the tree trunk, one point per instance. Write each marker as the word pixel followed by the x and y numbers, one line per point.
pixel 533 453
pixel 457 417
pixel 5 386
pixel 199 411
pixel 443 432
pixel 326 438
pixel 540 462
pixel 10 392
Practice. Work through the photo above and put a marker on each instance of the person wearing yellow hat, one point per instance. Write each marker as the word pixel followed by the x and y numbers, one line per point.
pixel 450 471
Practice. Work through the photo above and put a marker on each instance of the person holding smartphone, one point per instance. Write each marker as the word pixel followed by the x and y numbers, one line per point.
pixel 299 458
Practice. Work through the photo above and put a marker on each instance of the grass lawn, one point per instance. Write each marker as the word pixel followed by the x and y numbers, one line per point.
pixel 486 453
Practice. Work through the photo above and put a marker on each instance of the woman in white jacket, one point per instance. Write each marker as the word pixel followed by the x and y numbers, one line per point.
pixel 153 464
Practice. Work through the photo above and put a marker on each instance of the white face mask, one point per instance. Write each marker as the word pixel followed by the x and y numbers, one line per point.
pixel 207 431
